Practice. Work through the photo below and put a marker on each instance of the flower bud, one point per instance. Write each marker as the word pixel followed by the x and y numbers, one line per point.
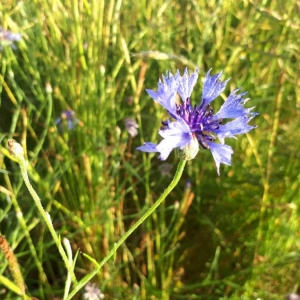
pixel 190 150
pixel 15 149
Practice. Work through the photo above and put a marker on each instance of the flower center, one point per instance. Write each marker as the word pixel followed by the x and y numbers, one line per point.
pixel 200 121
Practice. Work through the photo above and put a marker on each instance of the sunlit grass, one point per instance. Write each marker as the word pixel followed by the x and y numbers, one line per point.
pixel 230 237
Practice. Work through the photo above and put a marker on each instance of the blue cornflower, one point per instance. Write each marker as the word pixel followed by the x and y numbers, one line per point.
pixel 7 38
pixel 69 116
pixel 131 127
pixel 197 126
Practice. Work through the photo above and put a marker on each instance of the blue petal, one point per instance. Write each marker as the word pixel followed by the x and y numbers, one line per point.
pixel 167 145
pixel 177 135
pixel 176 128
pixel 70 124
pixel 237 126
pixel 14 36
pixel 212 88
pixel 57 121
pixel 166 92
pixel 233 107
pixel 187 84
pixel 148 147
pixel 221 154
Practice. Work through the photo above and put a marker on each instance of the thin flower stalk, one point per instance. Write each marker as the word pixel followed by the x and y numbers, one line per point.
pixel 17 151
pixel 112 253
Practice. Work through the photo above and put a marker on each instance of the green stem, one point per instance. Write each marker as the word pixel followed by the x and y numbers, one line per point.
pixel 167 191
pixel 18 152
pixel 78 28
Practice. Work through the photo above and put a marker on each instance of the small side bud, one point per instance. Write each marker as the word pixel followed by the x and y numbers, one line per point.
pixel 68 247
pixel 48 88
pixel 190 150
pixel 15 149
pixel 48 217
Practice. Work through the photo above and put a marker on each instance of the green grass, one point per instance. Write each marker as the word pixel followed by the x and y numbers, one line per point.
pixel 230 237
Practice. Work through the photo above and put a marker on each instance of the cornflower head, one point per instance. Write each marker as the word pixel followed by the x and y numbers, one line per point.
pixel 69 116
pixel 131 127
pixel 197 126
pixel 7 38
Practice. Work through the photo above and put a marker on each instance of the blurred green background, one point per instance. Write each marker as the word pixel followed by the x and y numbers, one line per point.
pixel 234 236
